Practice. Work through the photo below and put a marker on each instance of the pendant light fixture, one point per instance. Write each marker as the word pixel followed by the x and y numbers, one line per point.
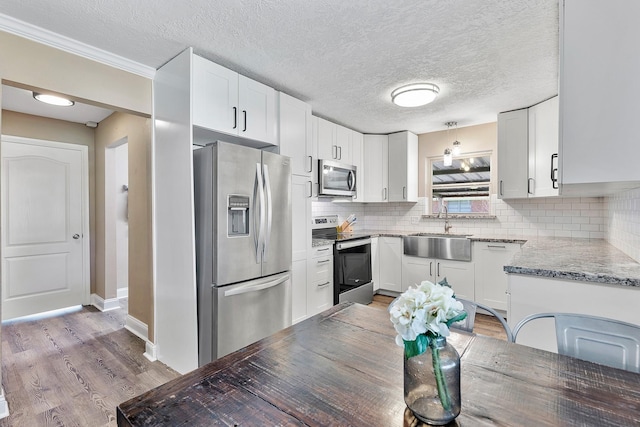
pixel 415 94
pixel 456 144
pixel 448 157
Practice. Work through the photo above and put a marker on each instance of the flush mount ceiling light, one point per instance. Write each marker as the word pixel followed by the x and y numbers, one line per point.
pixel 53 99
pixel 415 95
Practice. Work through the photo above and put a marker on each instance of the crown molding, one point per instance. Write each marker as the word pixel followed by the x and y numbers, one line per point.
pixel 23 29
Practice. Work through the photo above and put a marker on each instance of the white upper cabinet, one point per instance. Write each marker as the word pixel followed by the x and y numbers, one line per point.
pixel 326 139
pixel 376 172
pixel 334 141
pixel 228 102
pixel 599 92
pixel 512 154
pixel 343 145
pixel 295 134
pixel 528 151
pixel 543 148
pixel 403 167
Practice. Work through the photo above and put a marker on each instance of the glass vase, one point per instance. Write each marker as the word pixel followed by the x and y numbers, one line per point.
pixel 432 383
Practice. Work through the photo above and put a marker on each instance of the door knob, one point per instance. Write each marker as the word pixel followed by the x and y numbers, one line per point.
pixel 76 236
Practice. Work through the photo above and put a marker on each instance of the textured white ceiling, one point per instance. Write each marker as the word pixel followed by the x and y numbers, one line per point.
pixel 342 57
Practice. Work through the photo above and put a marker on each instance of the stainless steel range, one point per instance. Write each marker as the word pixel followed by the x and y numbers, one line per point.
pixel 352 279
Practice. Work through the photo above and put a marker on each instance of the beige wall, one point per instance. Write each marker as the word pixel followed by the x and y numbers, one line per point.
pixel 477 138
pixel 28 126
pixel 137 130
pixel 32 65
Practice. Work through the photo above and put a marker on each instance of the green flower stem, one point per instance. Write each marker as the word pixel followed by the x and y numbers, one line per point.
pixel 443 392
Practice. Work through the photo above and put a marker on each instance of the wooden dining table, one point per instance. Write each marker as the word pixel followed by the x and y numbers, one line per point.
pixel 343 368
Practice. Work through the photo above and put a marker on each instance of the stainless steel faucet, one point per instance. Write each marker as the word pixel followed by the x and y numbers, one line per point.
pixel 447 226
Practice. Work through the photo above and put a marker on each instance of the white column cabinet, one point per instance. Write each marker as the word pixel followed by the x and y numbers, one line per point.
pixel 512 154
pixel 599 139
pixel 543 121
pixel 375 263
pixel 295 134
pixel 390 256
pixel 376 174
pixel 228 102
pixel 301 244
pixel 357 159
pixel 403 167
pixel 491 280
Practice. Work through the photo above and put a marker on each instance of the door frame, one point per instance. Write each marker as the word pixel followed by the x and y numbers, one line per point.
pixel 84 151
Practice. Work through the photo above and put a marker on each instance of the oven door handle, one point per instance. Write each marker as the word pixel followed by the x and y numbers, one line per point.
pixel 352 244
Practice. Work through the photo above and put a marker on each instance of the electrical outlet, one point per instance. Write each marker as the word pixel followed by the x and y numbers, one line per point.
pixel 415 220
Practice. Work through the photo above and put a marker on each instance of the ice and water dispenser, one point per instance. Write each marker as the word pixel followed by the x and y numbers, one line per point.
pixel 238 215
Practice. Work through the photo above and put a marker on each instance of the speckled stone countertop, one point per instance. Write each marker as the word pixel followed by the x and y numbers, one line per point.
pixel 587 260
pixel 320 242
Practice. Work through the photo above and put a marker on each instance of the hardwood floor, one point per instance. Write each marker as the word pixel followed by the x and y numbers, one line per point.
pixel 484 325
pixel 74 369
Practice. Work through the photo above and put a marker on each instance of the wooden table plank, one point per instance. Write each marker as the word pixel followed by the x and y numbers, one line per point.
pixel 342 367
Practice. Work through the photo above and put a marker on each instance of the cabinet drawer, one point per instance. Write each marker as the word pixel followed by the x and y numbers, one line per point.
pixel 320 269
pixel 320 251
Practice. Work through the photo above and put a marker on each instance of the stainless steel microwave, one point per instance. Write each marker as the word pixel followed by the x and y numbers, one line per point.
pixel 336 179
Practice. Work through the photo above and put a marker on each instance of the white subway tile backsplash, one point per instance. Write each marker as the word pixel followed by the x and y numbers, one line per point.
pixel 622 222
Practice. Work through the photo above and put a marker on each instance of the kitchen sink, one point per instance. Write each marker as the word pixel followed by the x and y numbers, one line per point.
pixel 456 247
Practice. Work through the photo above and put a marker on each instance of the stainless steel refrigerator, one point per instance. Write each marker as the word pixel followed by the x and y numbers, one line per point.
pixel 243 246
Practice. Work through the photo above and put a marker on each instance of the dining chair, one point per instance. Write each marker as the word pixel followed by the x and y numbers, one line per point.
pixel 468 323
pixel 595 339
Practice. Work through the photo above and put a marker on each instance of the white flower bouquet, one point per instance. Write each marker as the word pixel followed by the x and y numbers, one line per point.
pixel 422 314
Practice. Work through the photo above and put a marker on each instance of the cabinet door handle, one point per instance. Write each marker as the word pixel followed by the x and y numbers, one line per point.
pixel 554 172
pixel 404 192
pixel 500 190
pixel 310 164
pixel 339 153
pixel 496 246
pixel 235 117
pixel 384 197
pixel 310 189
pixel 323 249
pixel 324 261
pixel 430 268
pixel 244 112
pixel 321 285
pixel 438 269
pixel 334 149
pixel 529 186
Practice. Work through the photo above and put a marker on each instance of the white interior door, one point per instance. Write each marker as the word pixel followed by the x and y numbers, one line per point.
pixel 45 239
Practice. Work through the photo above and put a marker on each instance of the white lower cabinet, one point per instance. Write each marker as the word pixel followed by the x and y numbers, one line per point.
pixel 459 274
pixel 390 256
pixel 491 280
pixel 320 280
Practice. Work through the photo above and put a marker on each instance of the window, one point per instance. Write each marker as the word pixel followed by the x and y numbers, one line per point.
pixel 463 187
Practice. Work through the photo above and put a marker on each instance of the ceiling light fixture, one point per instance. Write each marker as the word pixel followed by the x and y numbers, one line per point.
pixel 415 94
pixel 53 99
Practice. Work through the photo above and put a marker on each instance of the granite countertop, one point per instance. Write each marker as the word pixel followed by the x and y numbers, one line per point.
pixel 396 233
pixel 320 242
pixel 588 260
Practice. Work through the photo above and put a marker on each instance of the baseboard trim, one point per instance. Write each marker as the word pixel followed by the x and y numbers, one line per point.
pixel 150 352
pixel 136 327
pixel 123 293
pixel 4 405
pixel 104 304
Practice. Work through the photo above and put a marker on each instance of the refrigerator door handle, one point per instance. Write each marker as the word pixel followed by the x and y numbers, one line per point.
pixel 258 213
pixel 269 209
pixel 257 287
